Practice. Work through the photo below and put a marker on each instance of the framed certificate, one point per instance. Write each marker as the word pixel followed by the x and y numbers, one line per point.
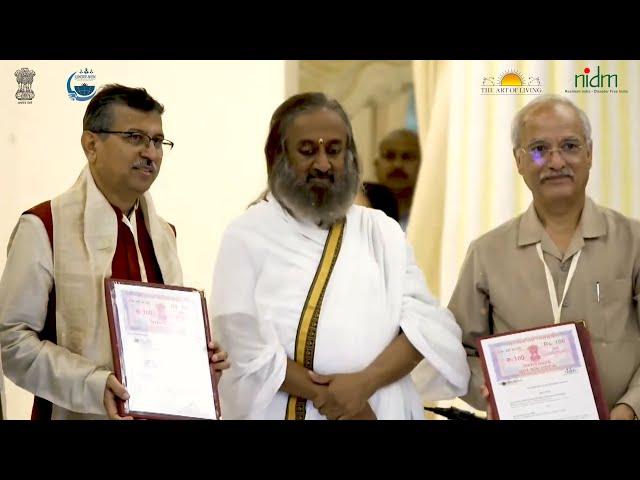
pixel 546 373
pixel 159 337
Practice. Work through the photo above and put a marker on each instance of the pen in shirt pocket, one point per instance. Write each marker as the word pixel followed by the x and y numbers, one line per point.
pixel 598 292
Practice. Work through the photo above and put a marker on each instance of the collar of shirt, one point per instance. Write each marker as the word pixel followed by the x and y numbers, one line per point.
pixel 122 215
pixel 592 225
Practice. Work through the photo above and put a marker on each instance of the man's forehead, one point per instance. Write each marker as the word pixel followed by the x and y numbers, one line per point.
pixel 124 116
pixel 399 143
pixel 325 124
pixel 552 120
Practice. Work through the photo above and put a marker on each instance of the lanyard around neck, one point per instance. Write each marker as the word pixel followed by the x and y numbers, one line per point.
pixel 551 286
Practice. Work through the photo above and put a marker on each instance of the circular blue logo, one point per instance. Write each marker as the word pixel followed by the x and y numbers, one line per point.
pixel 81 85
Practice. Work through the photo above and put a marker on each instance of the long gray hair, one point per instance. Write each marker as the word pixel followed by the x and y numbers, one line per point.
pixel 289 191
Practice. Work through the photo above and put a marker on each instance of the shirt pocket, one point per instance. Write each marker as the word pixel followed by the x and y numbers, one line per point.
pixel 615 310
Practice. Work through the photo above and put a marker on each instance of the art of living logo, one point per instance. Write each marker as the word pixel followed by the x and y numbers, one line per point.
pixel 590 81
pixel 511 83
pixel 81 85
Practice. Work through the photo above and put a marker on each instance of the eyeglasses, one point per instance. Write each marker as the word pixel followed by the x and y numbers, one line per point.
pixel 567 150
pixel 141 139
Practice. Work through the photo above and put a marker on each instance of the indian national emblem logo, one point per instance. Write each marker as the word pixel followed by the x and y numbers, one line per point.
pixel 24 77
pixel 81 85
pixel 533 351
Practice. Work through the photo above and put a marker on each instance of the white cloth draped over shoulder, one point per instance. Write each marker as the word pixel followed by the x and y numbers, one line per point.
pixel 73 372
pixel 265 266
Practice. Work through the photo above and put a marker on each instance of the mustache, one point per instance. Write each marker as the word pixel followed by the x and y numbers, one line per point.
pixel 565 172
pixel 398 173
pixel 145 163
pixel 317 174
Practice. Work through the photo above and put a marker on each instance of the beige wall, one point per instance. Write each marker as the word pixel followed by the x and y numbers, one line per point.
pixel 217 113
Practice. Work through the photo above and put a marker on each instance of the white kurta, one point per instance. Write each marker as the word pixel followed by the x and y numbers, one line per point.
pixel 265 267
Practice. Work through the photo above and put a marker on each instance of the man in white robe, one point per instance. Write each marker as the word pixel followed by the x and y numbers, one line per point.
pixel 374 319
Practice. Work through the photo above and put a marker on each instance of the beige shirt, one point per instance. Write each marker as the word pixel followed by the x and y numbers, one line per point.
pixel 502 287
pixel 30 262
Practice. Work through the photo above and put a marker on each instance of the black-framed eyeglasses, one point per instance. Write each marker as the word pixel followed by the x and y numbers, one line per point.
pixel 141 139
pixel 542 151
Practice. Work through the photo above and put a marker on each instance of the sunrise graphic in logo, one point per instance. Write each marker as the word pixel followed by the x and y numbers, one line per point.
pixel 511 79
